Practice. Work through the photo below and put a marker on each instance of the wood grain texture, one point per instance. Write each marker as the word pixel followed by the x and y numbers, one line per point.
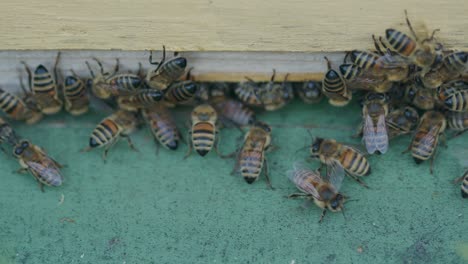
pixel 219 25
pixel 207 66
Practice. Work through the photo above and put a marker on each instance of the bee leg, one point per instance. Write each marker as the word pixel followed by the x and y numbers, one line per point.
pixel 272 148
pixel 359 132
pixel 458 134
pixel 160 62
pixel 265 164
pixel 189 151
pixel 106 150
pixel 297 195
pixel 443 140
pixel 130 143
pixel 21 171
pixel 101 68
pixel 216 144
pixel 57 60
pixel 407 150
pixel 41 186
pixel 28 71
pixel 410 26
pixel 363 184
pixel 324 212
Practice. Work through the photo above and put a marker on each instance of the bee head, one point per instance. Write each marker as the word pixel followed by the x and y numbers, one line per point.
pixel 70 80
pixel 424 57
pixel 263 126
pixel 336 204
pixel 411 114
pixel 315 148
pixel 19 149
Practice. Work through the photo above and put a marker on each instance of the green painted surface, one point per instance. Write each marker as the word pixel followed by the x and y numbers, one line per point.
pixel 142 207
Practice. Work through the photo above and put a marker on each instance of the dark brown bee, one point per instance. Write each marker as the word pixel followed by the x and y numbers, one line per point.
pixel 7 134
pixel 251 158
pixel 310 92
pixel 457 121
pixel 17 109
pixel 453 65
pixel 420 97
pixel 162 125
pixel 402 121
pixel 454 96
pixel 144 98
pixel 180 93
pixel 374 128
pixel 247 91
pixel 324 191
pixel 75 95
pixel 166 72
pixel 106 85
pixel 35 160
pixel 111 129
pixel 334 87
pixel 44 89
pixel 204 132
pixel 421 52
pixel 234 111
pixel 426 139
pixel 274 96
pixel 331 153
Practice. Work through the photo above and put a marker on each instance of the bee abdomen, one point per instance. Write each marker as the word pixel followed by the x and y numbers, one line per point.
pixel 420 150
pixel 456 62
pixel 457 101
pixel 9 103
pixel 104 133
pixel 355 163
pixel 203 136
pixel 74 88
pixel 126 81
pixel 251 163
pixel 363 59
pixel 174 69
pixel 181 92
pixel 42 81
pixel 464 186
pixel 333 83
pixel 458 120
pixel 400 42
pixel 167 135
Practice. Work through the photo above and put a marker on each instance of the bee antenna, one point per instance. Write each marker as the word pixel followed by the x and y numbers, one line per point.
pixel 344 215
pixel 273 76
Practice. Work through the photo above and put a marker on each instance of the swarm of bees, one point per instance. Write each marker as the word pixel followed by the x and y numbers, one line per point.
pixel 409 85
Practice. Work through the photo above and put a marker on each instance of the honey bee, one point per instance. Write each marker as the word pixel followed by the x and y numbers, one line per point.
pixel 464 184
pixel 452 66
pixel 330 153
pixel 423 53
pixel 162 125
pixel 402 121
pixel 310 92
pixel 426 139
pixel 335 88
pixel 203 133
pixel 75 95
pixel 457 121
pixel 144 98
pixel 274 96
pixel 43 88
pixel 35 160
pixel 357 79
pixel 7 134
pixel 166 71
pixel 251 158
pixel 323 191
pixel 454 96
pixel 420 97
pixel 106 85
pixel 230 110
pixel 17 109
pixel 374 128
pixel 179 93
pixel 247 91
pixel 111 129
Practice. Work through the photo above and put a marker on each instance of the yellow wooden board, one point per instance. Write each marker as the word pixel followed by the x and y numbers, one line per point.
pixel 219 25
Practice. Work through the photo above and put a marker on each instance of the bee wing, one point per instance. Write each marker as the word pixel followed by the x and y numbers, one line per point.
pixel 369 136
pixel 336 175
pixel 46 169
pixel 389 61
pixel 381 135
pixel 303 177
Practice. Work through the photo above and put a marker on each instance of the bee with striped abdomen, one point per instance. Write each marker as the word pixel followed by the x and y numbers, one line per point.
pixel 180 93
pixel 453 96
pixel 357 79
pixel 203 134
pixel 420 97
pixel 132 101
pixel 402 121
pixel 166 72
pixel 426 139
pixel 17 109
pixel 75 95
pixel 310 92
pixel 251 159
pixel 162 125
pixel 247 91
pixel 323 191
pixel 452 66
pixel 457 121
pixel 374 128
pixel 44 89
pixel 232 110
pixel 35 160
pixel 105 85
pixel 274 96
pixel 421 52
pixel 334 87
pixel 331 153
pixel 111 129
pixel 7 134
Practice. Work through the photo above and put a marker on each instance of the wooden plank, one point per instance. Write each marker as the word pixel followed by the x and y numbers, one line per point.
pixel 207 66
pixel 219 25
